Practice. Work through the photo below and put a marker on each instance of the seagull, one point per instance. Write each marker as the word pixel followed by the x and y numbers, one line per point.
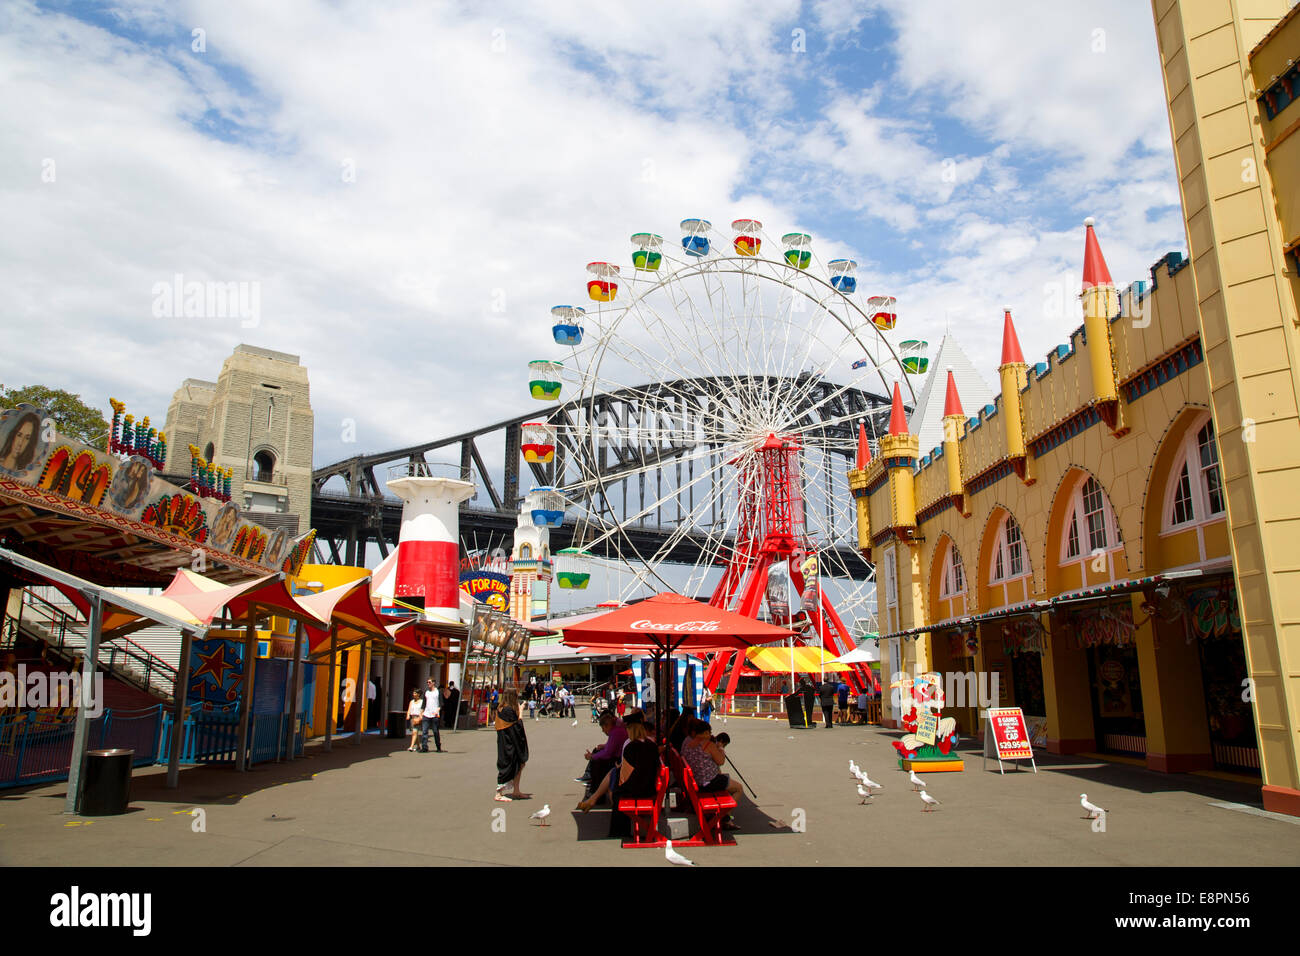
pixel 1094 811
pixel 917 782
pixel 863 792
pixel 868 782
pixel 930 802
pixel 672 856
pixel 574 724
pixel 542 814
pixel 854 769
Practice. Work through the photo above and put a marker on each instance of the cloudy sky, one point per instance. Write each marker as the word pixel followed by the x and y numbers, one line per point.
pixel 409 187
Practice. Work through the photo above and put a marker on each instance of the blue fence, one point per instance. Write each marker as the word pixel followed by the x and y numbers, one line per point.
pixel 212 738
pixel 37 747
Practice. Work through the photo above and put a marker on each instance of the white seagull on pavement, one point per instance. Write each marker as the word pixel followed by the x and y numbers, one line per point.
pixel 930 802
pixel 672 856
pixel 541 815
pixel 854 770
pixel 868 782
pixel 1093 810
pixel 917 782
pixel 863 792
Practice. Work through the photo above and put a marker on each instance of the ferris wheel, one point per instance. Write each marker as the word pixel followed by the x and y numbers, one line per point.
pixel 753 363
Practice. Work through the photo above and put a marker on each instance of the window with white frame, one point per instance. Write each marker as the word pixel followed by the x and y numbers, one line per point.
pixel 1089 522
pixel 1008 552
pixel 952 583
pixel 1195 492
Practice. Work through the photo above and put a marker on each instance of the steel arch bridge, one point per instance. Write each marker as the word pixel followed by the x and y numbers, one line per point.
pixel 649 430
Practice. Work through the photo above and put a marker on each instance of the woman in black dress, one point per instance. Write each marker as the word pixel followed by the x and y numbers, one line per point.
pixel 512 749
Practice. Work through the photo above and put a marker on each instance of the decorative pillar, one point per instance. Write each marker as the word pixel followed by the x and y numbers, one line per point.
pixel 1014 375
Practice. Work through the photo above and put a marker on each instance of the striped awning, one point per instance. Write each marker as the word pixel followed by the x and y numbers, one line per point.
pixel 799 660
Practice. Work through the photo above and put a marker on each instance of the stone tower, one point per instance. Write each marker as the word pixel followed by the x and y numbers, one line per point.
pixel 256 420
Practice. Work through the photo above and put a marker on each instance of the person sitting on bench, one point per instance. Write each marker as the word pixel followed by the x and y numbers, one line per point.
pixel 635 778
pixel 602 759
pixel 704 756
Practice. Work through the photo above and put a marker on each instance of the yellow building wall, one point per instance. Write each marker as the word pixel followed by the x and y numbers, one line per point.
pixel 1246 301
pixel 323 577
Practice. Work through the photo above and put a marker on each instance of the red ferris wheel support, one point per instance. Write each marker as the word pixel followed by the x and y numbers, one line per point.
pixel 771 530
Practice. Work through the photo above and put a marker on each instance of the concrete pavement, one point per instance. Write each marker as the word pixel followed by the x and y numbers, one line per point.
pixel 373 803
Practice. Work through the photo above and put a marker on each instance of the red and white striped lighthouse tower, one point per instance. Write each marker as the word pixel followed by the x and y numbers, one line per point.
pixel 428 553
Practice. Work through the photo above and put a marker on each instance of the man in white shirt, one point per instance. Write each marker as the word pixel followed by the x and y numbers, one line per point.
pixel 431 718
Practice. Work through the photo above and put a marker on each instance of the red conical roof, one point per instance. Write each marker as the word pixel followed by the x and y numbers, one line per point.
pixel 897 420
pixel 951 402
pixel 1011 354
pixel 864 449
pixel 1095 273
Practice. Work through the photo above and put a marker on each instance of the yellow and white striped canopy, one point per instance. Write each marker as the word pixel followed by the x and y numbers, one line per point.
pixel 800 660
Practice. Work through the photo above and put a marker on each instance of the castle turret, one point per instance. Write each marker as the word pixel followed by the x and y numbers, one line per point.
pixel 858 488
pixel 1014 374
pixel 954 426
pixel 1100 302
pixel 898 452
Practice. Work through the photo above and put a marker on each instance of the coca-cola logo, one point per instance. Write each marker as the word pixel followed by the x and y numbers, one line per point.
pixel 683 626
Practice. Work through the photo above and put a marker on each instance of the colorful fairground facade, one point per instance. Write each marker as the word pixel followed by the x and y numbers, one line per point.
pixel 1072 540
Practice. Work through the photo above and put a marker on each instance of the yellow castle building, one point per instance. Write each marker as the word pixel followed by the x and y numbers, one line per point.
pixel 1117 536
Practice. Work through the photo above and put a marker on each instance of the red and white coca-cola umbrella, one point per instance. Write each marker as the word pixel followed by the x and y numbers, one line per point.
pixel 671 622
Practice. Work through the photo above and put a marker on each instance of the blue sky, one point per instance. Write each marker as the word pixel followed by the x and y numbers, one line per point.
pixel 953 150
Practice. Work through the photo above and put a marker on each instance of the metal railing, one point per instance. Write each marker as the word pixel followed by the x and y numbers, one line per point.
pixel 36 747
pixel 425 469
pixel 54 623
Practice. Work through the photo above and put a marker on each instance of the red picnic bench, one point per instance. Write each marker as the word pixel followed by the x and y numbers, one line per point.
pixel 645 816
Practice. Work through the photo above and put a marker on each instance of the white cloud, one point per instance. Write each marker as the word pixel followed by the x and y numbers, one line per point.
pixel 494 173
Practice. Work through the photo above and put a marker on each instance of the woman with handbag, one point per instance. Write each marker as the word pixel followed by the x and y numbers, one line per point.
pixel 512 749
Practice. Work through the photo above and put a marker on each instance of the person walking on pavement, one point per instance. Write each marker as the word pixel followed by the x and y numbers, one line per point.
pixel 827 693
pixel 432 713
pixel 809 695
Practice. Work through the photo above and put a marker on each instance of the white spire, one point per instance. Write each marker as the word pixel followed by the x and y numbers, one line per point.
pixel 927 418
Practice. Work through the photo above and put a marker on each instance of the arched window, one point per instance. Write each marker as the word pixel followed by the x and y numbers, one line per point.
pixel 208 451
pixel 525 552
pixel 1090 525
pixel 1195 493
pixel 952 583
pixel 1008 552
pixel 263 466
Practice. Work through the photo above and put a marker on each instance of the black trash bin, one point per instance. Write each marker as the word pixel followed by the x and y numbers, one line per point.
pixel 107 788
pixel 396 724
pixel 794 710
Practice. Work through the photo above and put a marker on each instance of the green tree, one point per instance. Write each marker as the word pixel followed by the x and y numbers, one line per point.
pixel 72 417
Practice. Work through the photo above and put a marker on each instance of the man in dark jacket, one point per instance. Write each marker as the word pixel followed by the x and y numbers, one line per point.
pixel 809 695
pixel 827 694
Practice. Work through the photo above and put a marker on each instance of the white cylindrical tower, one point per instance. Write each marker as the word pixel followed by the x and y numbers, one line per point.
pixel 428 553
